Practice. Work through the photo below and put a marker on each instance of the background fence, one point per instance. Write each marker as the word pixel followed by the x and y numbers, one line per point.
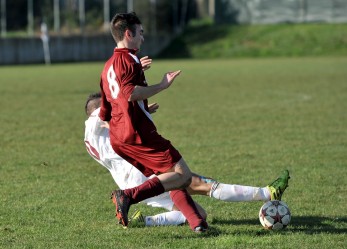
pixel 77 30
pixel 279 11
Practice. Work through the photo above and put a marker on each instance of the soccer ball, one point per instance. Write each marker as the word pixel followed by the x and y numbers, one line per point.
pixel 274 215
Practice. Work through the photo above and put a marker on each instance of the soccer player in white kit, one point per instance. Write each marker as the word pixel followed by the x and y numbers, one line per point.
pixel 125 175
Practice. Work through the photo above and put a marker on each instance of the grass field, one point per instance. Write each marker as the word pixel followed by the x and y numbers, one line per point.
pixel 239 121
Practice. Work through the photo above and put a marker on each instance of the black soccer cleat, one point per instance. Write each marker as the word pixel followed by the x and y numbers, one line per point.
pixel 122 203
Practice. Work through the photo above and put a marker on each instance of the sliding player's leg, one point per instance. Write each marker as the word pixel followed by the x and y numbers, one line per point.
pixel 236 193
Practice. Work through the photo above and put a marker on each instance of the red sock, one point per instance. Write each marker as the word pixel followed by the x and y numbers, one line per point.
pixel 149 188
pixel 186 205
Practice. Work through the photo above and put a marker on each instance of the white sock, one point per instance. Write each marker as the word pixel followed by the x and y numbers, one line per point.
pixel 173 218
pixel 228 192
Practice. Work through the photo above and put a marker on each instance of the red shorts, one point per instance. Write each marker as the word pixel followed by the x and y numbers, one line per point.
pixel 157 157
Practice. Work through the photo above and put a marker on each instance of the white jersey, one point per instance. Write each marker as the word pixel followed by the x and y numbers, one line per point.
pixel 97 141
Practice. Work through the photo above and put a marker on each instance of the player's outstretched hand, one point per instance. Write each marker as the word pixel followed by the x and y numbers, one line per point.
pixel 169 78
pixel 146 63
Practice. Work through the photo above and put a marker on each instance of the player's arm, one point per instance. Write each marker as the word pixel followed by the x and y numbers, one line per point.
pixel 145 92
pixel 146 64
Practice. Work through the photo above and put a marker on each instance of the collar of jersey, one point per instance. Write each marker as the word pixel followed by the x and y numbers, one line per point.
pixel 126 50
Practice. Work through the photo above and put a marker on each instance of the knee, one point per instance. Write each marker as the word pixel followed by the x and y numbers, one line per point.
pixel 184 172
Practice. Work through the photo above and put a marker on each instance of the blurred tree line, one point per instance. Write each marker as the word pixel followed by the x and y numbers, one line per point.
pixel 157 16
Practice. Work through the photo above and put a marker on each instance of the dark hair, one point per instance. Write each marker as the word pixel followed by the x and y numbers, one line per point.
pixel 92 103
pixel 122 22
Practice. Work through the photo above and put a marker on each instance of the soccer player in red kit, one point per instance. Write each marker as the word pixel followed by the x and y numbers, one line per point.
pixel 132 132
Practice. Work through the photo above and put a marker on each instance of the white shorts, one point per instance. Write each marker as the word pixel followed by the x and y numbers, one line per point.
pixel 127 176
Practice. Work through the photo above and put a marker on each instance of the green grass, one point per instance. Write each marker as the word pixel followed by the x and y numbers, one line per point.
pixel 239 121
pixel 205 40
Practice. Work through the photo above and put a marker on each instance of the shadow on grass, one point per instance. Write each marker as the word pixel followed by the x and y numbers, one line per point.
pixel 212 232
pixel 304 224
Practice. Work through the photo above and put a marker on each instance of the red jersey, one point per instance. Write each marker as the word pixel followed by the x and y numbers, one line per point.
pixel 133 135
pixel 131 122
